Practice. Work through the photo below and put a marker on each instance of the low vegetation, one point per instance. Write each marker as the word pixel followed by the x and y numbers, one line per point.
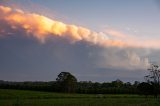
pixel 36 98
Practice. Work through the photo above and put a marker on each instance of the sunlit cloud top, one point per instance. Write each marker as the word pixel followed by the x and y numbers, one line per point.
pixel 42 27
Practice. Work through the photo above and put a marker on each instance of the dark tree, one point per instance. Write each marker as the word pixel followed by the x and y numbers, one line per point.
pixel 154 78
pixel 117 83
pixel 136 83
pixel 67 82
pixel 145 88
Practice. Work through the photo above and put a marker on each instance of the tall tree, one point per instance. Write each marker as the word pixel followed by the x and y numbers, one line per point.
pixel 154 78
pixel 67 82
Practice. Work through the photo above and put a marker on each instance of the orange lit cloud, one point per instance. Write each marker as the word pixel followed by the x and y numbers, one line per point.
pixel 133 41
pixel 41 27
pixel 115 33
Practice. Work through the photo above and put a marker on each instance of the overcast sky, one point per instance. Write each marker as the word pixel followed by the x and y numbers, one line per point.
pixel 94 40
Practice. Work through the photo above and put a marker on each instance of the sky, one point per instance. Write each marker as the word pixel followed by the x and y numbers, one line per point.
pixel 94 40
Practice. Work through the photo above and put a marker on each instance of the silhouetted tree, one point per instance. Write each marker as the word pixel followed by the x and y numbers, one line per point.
pixel 67 82
pixel 117 83
pixel 136 83
pixel 154 78
pixel 145 88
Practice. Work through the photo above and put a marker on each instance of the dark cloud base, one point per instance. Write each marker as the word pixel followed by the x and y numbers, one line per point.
pixel 24 58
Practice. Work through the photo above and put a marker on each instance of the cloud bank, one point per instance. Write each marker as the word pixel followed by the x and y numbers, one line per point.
pixel 42 27
pixel 117 49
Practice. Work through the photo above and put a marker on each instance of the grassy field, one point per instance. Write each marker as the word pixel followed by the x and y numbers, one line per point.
pixel 34 98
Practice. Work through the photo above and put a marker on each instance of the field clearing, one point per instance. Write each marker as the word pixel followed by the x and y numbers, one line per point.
pixel 35 98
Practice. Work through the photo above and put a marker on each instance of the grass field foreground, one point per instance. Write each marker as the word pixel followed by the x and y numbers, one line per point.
pixel 35 98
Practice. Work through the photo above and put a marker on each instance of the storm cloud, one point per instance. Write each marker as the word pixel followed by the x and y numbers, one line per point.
pixel 63 47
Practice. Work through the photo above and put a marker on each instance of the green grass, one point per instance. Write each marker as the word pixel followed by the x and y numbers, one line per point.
pixel 35 98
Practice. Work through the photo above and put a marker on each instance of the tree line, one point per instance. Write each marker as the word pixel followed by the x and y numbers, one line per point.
pixel 66 82
pixel 85 87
